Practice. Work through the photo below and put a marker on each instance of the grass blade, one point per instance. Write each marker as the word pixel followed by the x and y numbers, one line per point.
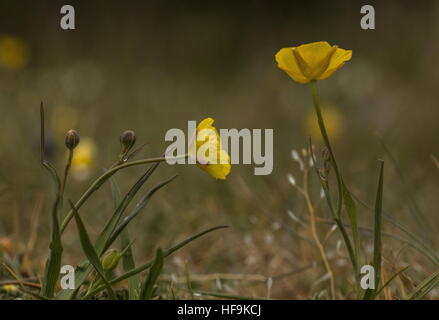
pixel 135 212
pixel 84 269
pixel 127 257
pixel 425 287
pixel 46 164
pixel 90 251
pixel 227 296
pixel 148 265
pixel 53 263
pixel 121 207
pixel 420 246
pixel 351 210
pixel 154 273
pixel 391 279
pixel 377 246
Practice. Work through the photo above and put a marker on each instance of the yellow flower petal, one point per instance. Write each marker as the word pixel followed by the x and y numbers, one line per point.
pixel 216 163
pixel 206 123
pixel 218 171
pixel 287 62
pixel 314 53
pixel 337 61
pixel 312 61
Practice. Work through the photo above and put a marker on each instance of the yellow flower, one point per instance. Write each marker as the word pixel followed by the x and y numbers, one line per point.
pixel 6 245
pixel 14 53
pixel 312 61
pixel 10 288
pixel 83 159
pixel 334 122
pixel 210 155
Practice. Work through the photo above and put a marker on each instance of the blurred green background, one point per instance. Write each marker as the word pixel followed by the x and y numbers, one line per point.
pixel 152 65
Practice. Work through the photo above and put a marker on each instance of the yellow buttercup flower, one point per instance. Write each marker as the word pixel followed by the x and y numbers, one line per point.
pixel 210 155
pixel 312 61
pixel 14 52
pixel 83 159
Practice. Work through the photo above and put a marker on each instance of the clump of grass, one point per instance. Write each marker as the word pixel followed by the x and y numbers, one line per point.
pixel 100 259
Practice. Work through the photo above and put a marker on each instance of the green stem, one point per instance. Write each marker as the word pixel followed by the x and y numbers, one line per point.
pixel 340 182
pixel 66 171
pixel 315 97
pixel 99 181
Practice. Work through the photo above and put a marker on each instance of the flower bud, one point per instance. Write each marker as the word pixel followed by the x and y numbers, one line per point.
pixel 127 140
pixel 72 139
pixel 110 259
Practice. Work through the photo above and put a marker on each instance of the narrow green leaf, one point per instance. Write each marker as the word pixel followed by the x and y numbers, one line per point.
pixel 127 256
pixel 148 265
pixel 127 220
pixel 84 269
pixel 154 273
pixel 53 263
pixel 391 279
pixel 117 215
pixel 377 246
pixel 425 287
pixel 351 210
pixel 135 212
pixel 227 296
pixel 419 246
pixel 90 251
pixel 46 164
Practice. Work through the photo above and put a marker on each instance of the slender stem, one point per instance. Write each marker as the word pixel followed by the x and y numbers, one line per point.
pixel 340 183
pixel 66 171
pixel 313 229
pixel 99 181
pixel 324 133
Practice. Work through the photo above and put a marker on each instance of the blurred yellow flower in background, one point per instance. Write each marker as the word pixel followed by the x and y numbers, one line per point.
pixel 84 158
pixel 63 117
pixel 10 288
pixel 207 137
pixel 334 121
pixel 6 245
pixel 312 61
pixel 14 52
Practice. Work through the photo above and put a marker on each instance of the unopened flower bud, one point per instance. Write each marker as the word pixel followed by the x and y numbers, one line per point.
pixel 72 139
pixel 110 259
pixel 127 140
